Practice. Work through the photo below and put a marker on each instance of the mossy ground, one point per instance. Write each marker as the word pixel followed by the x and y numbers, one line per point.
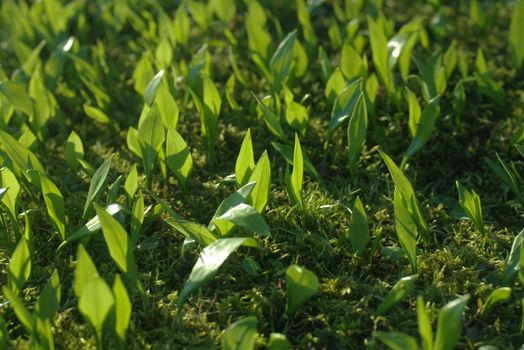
pixel 459 261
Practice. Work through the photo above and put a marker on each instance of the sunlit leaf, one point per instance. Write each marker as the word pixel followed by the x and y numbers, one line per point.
pixel 178 157
pixel 97 182
pixel 400 291
pixel 397 341
pixel 449 324
pixel 470 202
pixel 241 335
pixel 357 128
pixel 245 161
pixel 19 269
pixel 95 303
pixel 208 263
pixel 122 309
pixel 358 227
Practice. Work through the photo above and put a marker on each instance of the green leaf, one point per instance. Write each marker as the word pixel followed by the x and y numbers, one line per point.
pixel 199 13
pixel 424 326
pixel 478 17
pixel 95 303
pixel 5 342
pixel 152 87
pixel 470 202
pixel 192 230
pixel 224 228
pixel 497 296
pixel 11 190
pixel 16 95
pixel 380 54
pixel 97 181
pixel 137 217
pixel 280 63
pixel 301 285
pixel 73 150
pixel 271 120
pixel 259 39
pixel 507 176
pixel 491 89
pixel 358 227
pixel 182 26
pixel 85 271
pixel 55 204
pixel 262 176
pixel 245 161
pixel 212 100
pixel 516 28
pixel 520 149
pixel 245 216
pixel 131 184
pixel 22 158
pixel 151 136
pixel 450 59
pixel 178 157
pixel 351 64
pixel 414 111
pixel 122 309
pixel 92 226
pixel 49 299
pixel 335 84
pixel 21 312
pixel 44 105
pixel 117 241
pixel 404 187
pixel 278 341
pixel 297 117
pixel 143 72
pixel 224 9
pixel 96 114
pixel 406 229
pixel 297 175
pixel 425 128
pixel 164 57
pixel 397 341
pixel 512 266
pixel 450 324
pixel 287 152
pixel 325 64
pixel 357 128
pixel 208 263
pixel 344 105
pixel 305 20
pixel 241 335
pixel 400 291
pixel 19 269
pixel 167 106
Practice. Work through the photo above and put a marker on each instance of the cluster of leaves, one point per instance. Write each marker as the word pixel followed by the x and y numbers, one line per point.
pixel 172 100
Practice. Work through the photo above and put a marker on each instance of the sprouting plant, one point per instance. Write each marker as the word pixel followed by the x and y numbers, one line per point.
pixel 97 302
pixel 470 202
pixel 358 227
pixel 400 291
pixel 449 327
pixel 241 334
pixel 302 284
pixel 356 133
pixel 294 181
pixel 39 322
